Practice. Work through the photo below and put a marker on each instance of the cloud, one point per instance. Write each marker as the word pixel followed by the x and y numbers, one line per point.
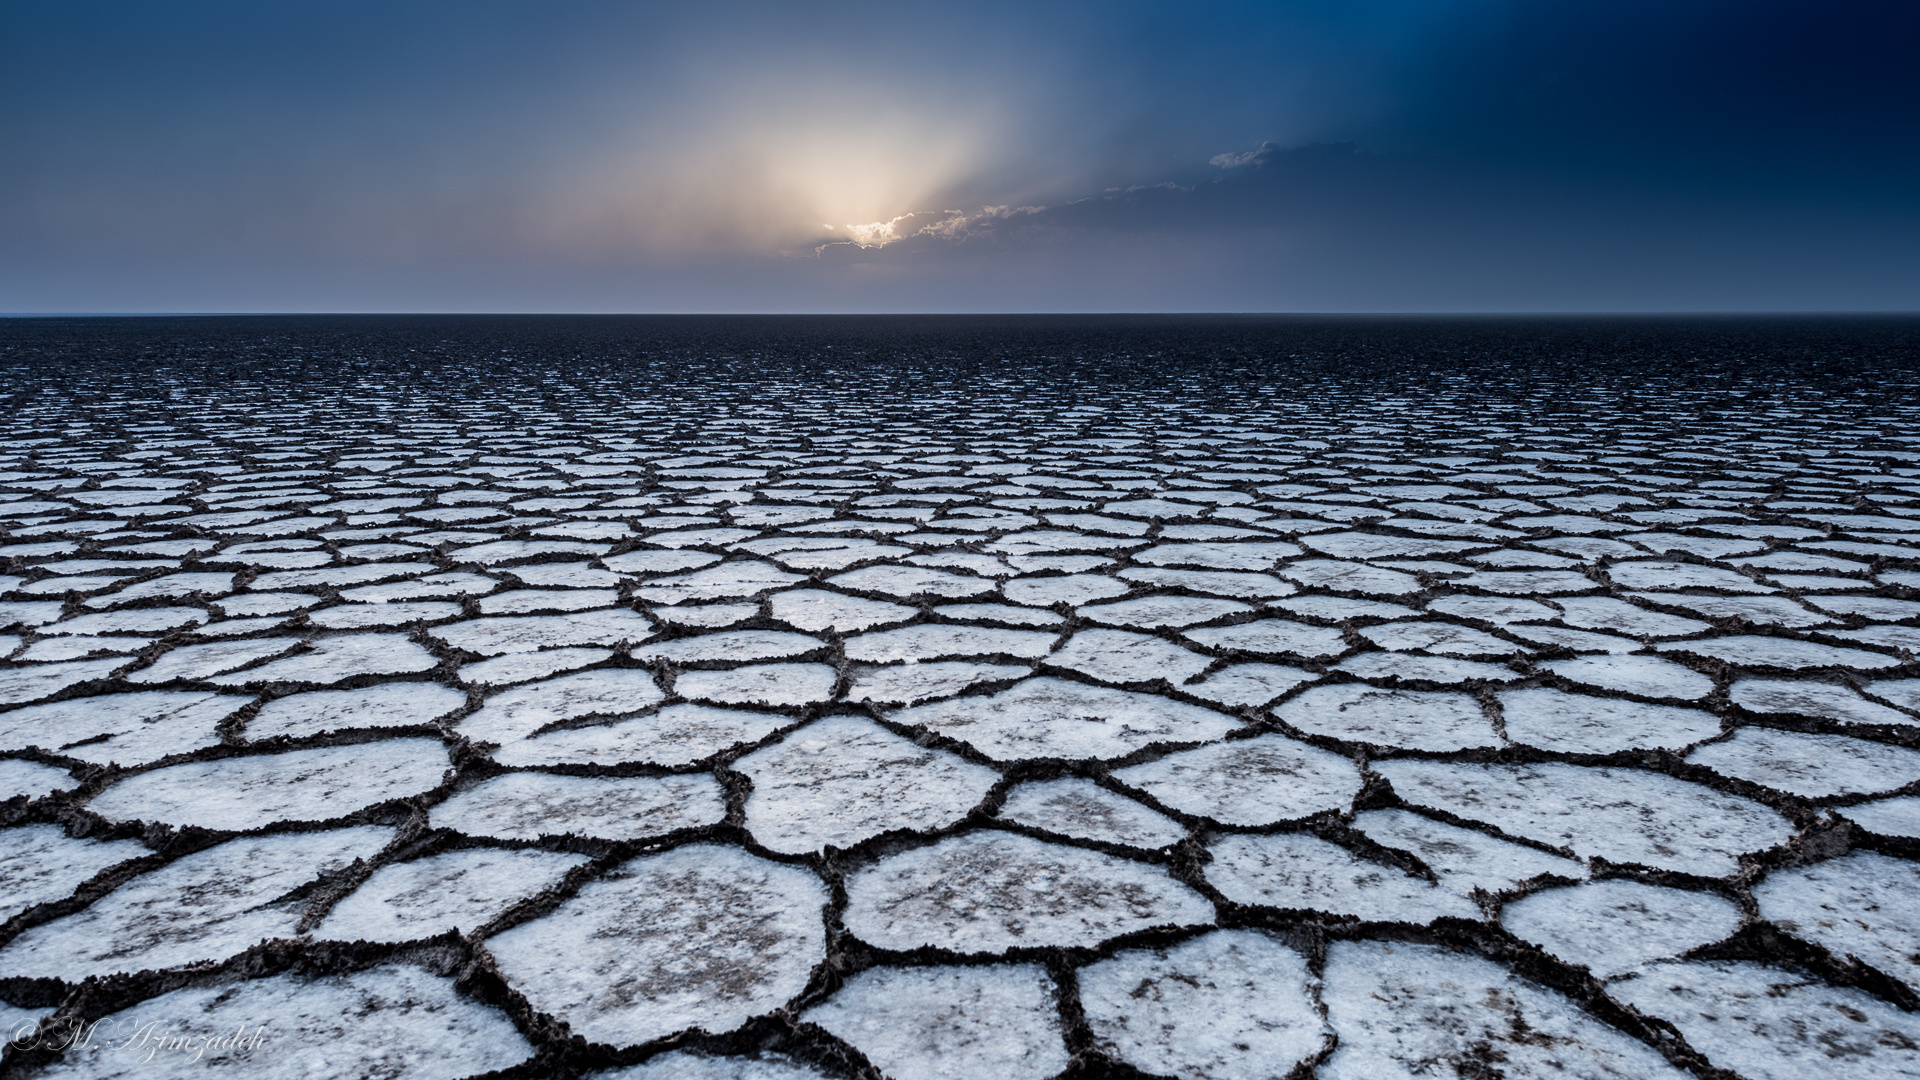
pixel 1252 157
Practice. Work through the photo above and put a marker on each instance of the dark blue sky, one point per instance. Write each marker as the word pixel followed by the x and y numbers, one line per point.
pixel 1367 155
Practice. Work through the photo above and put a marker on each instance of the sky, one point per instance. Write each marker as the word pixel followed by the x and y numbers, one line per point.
pixel 580 156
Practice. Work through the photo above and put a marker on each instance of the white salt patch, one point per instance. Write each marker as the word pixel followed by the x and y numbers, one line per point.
pixel 1248 782
pixel 1608 613
pixel 39 863
pixel 929 641
pixel 734 646
pixel 507 634
pixel 1827 700
pixel 698 937
pixel 686 1065
pixel 937 1023
pixel 1248 684
pixel 1416 719
pixel 1576 640
pixel 1463 859
pixel 1577 724
pixel 1499 611
pixel 1671 575
pixel 1767 610
pixel 332 659
pixel 456 890
pixel 1218 582
pixel 1888 817
pixel 1773 1024
pixel 842 780
pixel 1054 718
pixel 1298 871
pixel 32 779
pixel 1223 1006
pixel 1753 651
pixel 643 562
pixel 1865 905
pixel 401 704
pixel 1334 575
pixel 1623 815
pixel 706 615
pixel 910 581
pixel 817 609
pixel 1647 676
pixel 728 580
pixel 1072 590
pixel 362 616
pixel 1340 608
pixel 675 735
pixel 1075 806
pixel 1811 765
pixel 242 793
pixel 984 892
pixel 1122 657
pixel 760 684
pixel 433 586
pixel 520 667
pixel 913 683
pixel 567 575
pixel 1273 636
pixel 130 729
pixel 1436 637
pixel 1156 611
pixel 1416 667
pixel 529 805
pixel 1611 927
pixel 518 713
pixel 527 601
pixel 1358 545
pixel 1419 1011
pixel 1222 556
pixel 205 906
pixel 204 661
pixel 132 621
pixel 1000 613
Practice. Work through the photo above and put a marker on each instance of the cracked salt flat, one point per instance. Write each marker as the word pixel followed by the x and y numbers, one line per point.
pixel 1623 815
pixel 935 1023
pixel 1464 860
pixel 1863 904
pixel 933 641
pixel 1075 806
pixel 241 793
pixel 39 863
pixel 128 729
pixel 1409 1010
pixel 1225 1005
pixel 1273 637
pixel 1578 724
pixel 1248 782
pixel 401 704
pixel 842 780
pixel 523 711
pixel 760 684
pixel 1811 765
pixel 916 682
pixel 1120 656
pixel 391 1020
pixel 986 892
pixel 1774 1024
pixel 206 906
pixel 1051 717
pixel 1646 676
pixel 708 937
pixel 1413 719
pixel 1612 927
pixel 456 891
pixel 529 805
pixel 675 735
pixel 1299 871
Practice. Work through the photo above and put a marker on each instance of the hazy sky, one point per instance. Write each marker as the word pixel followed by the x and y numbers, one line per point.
pixel 1358 155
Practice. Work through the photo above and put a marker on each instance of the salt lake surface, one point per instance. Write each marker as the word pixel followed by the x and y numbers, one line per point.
pixel 790 699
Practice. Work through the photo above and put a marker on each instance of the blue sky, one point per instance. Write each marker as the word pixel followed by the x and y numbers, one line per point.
pixel 1370 155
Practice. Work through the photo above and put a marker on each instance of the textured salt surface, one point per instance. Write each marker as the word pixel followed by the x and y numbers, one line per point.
pixel 957 717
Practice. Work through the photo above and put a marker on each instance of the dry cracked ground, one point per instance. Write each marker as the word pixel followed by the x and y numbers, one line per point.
pixel 814 732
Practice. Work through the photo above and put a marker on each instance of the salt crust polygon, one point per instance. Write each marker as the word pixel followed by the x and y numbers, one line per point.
pixel 529 805
pixel 706 616
pixel 842 780
pixel 934 1023
pixel 1219 556
pixel 1647 676
pixel 1807 698
pixel 916 682
pixel 1072 590
pixel 1623 815
pixel 192 662
pixel 1445 639
pixel 1248 782
pixel 675 735
pixel 1333 575
pixel 1150 612
pixel 386 1021
pixel 1414 719
pixel 522 667
pixel 1273 636
pixel 817 609
pixel 697 937
pixel 1580 641
pixel 1049 717
pixel 760 684
pixel 1299 871
pixel 398 704
pixel 1864 904
pixel 732 646
pixel 126 728
pixel 499 635
pixel 1078 807
pixel 529 601
pixel 520 712
pixel 1227 1005
pixel 205 906
pixel 1240 685
pixel 1001 613
pixel 1888 817
pixel 1777 652
pixel 32 779
pixel 1497 610
pixel 1464 860
pixel 453 891
pixel 1416 667
pixel 39 863
pixel 989 891
pixel 240 793
pixel 653 561
pixel 1608 613
pixel 1769 1023
pixel 1579 724
pixel 1218 582
pixel 930 641
pixel 1614 926
pixel 910 581
pixel 685 1065
pixel 333 659
pixel 1811 765
pixel 1416 1011
pixel 1120 656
